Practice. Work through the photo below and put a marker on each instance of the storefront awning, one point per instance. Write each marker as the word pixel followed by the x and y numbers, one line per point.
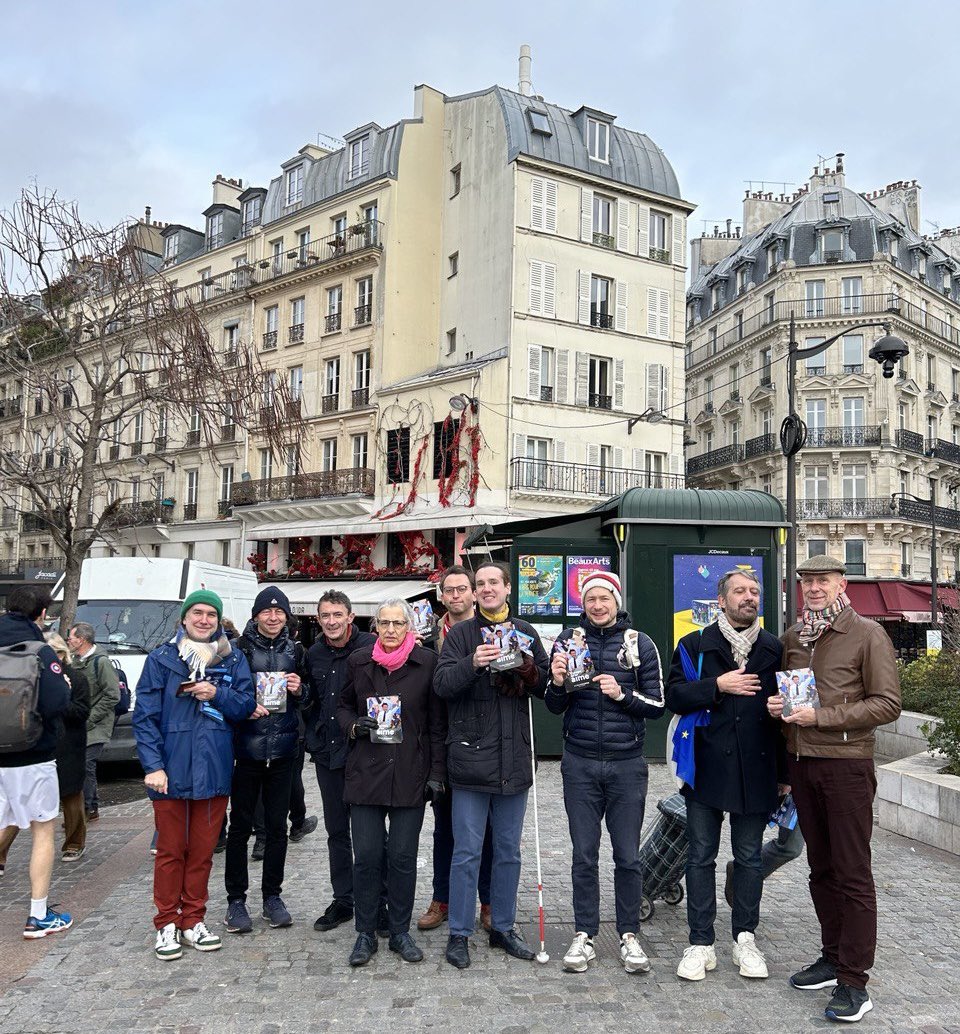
pixel 364 597
pixel 896 601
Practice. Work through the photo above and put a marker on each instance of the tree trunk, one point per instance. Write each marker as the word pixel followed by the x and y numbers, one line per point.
pixel 71 588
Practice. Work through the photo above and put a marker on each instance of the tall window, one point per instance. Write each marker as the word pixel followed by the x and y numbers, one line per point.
pixel 816 483
pixel 600 385
pixel 708 391
pixel 602 219
pixel 359 156
pixel 292 458
pixel 769 307
pixel 331 377
pixel 215 230
pixel 251 214
pixel 659 227
pixel 398 455
pixel 358 448
pixel 816 417
pixel 226 482
pixel 303 245
pixel 601 302
pixel 266 464
pixel 294 192
pixel 854 556
pixel 364 310
pixel 733 380
pixel 853 412
pixel 815 364
pixel 854 480
pixel 334 308
pixel 268 388
pixel 598 140
pixel 193 486
pixel 766 359
pixel 851 290
pixel 361 369
pixel 814 290
pixel 853 353
pixel 296 383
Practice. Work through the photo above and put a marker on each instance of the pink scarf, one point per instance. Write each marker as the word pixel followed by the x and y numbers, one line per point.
pixel 395 658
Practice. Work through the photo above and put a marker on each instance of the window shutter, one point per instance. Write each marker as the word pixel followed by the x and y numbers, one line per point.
pixel 638 459
pixel 550 206
pixel 623 226
pixel 519 446
pixel 583 298
pixel 563 361
pixel 536 203
pixel 536 287
pixel 618 458
pixel 620 316
pixel 653 386
pixel 618 385
pixel 586 215
pixel 664 389
pixel 533 372
pixel 593 455
pixel 679 235
pixel 664 314
pixel 643 231
pixel 582 388
pixel 676 463
pixel 653 320
pixel 549 289
pixel 559 451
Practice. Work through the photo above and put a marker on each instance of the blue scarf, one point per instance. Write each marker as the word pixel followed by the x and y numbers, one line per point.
pixel 684 734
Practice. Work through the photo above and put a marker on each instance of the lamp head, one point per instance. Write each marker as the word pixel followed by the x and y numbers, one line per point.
pixel 888 351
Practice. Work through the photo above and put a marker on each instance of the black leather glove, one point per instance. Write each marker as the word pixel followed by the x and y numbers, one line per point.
pixel 435 790
pixel 363 726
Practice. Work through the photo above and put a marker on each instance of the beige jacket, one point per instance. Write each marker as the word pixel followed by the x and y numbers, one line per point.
pixel 857 683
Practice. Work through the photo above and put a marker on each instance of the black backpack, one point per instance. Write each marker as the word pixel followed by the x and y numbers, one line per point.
pixel 20 723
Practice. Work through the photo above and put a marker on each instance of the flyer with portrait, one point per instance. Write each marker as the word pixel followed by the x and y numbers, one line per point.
pixel 507 639
pixel 386 712
pixel 579 663
pixel 798 687
pixel 424 620
pixel 272 690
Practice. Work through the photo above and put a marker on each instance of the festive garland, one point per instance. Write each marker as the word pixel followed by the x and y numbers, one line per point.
pixel 414 481
pixel 331 564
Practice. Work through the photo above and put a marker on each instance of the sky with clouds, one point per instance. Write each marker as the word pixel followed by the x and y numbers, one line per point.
pixel 119 105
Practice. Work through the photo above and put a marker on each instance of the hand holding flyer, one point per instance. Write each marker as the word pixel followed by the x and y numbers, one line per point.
pixel 272 690
pixel 507 640
pixel 579 662
pixel 386 712
pixel 797 688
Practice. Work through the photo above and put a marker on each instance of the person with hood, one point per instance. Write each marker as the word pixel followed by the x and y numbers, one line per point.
pixel 267 747
pixel 192 691
pixel 603 769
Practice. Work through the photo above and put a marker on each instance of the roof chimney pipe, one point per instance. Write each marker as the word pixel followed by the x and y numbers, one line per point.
pixel 146 215
pixel 526 62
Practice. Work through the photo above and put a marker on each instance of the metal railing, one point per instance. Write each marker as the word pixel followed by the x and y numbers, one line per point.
pixel 129 515
pixel 910 441
pixel 269 340
pixel 943 450
pixel 192 439
pixel 604 240
pixel 760 445
pixel 660 255
pixel 359 397
pixel 189 511
pixel 10 407
pixel 829 437
pixel 362 315
pixel 597 401
pixel 715 458
pixel 329 403
pixel 825 509
pixel 853 367
pixel 350 481
pixel 295 333
pixel 223 508
pixel 332 322
pixel 228 432
pixel 855 567
pixel 919 513
pixel 558 478
pixel 599 318
pixel 546 393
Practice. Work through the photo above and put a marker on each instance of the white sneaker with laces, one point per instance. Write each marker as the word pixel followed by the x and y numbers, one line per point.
pixel 696 961
pixel 579 954
pixel 168 943
pixel 749 958
pixel 199 937
pixel 632 956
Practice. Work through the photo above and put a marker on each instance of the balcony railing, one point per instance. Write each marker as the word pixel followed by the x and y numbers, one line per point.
pixel 223 508
pixel 852 368
pixel 814 371
pixel 604 240
pixel 597 401
pixel 294 408
pixel 599 318
pixel 715 458
pixel 855 509
pixel 910 441
pixel 943 450
pixel 269 340
pixel 760 446
pixel 904 570
pixel 332 322
pixel 362 315
pixel 228 433
pixel 329 403
pixel 350 481
pixel 192 440
pixel 295 333
pixel 136 448
pixel 919 513
pixel 189 511
pixel 160 443
pixel 556 478
pixel 546 393
pixel 359 398
pixel 10 407
pixel 831 437
pixel 855 567
pixel 130 515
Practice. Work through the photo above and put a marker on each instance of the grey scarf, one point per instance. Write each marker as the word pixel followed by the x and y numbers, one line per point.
pixel 741 640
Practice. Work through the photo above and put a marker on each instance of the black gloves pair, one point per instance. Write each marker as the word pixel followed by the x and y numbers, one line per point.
pixel 363 726
pixel 435 790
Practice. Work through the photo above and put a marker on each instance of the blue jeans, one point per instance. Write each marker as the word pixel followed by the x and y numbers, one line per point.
pixel 703 838
pixel 615 791
pixel 471 809
pixel 443 852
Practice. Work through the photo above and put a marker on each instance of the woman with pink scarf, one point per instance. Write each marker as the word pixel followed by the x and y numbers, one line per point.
pixel 391 769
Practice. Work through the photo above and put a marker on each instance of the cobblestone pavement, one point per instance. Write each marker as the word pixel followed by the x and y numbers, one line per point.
pixel 102 975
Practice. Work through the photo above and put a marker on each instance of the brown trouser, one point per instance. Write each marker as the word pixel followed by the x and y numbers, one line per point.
pixel 834 798
pixel 74 827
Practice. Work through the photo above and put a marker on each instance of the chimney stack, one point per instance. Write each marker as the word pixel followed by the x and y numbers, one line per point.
pixel 146 215
pixel 526 83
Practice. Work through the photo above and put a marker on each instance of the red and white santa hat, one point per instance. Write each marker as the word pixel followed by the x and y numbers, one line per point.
pixel 603 580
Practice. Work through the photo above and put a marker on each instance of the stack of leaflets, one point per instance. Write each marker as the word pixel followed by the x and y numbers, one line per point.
pixel 386 711
pixel 424 620
pixel 798 687
pixel 511 643
pixel 579 663
pixel 272 690
pixel 785 814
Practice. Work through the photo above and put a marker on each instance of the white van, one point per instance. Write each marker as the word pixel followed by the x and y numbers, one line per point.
pixel 134 604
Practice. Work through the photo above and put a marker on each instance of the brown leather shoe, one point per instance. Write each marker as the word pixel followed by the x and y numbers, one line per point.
pixel 485 918
pixel 433 917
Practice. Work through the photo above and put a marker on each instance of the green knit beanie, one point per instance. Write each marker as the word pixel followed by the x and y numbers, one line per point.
pixel 211 599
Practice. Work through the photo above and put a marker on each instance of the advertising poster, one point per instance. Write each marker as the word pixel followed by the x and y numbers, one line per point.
pixel 695 579
pixel 541 586
pixel 578 567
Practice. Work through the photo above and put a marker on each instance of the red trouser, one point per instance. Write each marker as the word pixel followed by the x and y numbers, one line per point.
pixel 834 798
pixel 188 833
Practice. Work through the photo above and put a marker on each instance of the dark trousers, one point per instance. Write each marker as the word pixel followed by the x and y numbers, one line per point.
pixel 336 821
pixel 384 853
pixel 253 779
pixel 834 798
pixel 90 800
pixel 443 853
pixel 614 791
pixel 298 802
pixel 703 837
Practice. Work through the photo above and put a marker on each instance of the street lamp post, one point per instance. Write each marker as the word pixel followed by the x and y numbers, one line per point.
pixel 888 351
pixel 934 571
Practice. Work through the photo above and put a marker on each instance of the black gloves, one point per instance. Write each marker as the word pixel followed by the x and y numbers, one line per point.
pixel 435 790
pixel 363 726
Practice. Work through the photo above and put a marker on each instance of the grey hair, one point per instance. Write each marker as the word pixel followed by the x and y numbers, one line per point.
pixel 403 605
pixel 725 580
pixel 85 632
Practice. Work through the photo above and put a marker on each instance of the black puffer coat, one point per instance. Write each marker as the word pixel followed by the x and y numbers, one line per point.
pixel 275 735
pixel 594 725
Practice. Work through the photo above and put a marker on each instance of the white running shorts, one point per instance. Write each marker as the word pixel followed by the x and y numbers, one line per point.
pixel 29 793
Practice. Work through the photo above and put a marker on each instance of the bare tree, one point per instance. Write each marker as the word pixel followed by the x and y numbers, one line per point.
pixel 96 339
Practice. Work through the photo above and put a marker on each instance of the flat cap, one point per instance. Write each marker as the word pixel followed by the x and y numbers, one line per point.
pixel 819 564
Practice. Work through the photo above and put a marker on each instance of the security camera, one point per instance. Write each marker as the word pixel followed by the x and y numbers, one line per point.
pixel 888 351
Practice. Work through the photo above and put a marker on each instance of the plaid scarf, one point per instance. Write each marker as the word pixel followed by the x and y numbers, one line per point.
pixel 741 640
pixel 815 622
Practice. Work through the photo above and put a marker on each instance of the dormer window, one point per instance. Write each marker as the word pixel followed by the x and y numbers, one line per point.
pixel 539 122
pixel 893 247
pixel 947 282
pixel 294 192
pixel 831 204
pixel 773 256
pixel 214 230
pixel 170 248
pixel 921 265
pixel 252 211
pixel 831 245
pixel 598 140
pixel 359 156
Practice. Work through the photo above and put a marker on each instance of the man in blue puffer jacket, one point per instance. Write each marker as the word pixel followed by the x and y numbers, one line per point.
pixel 267 748
pixel 603 768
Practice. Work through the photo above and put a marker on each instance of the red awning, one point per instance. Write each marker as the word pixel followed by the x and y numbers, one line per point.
pixel 868 601
pixel 895 601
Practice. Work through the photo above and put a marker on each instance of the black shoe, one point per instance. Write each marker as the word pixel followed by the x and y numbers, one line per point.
pixel 848 1004
pixel 728 884
pixel 817 975
pixel 337 912
pixel 259 850
pixel 458 951
pixel 364 949
pixel 305 829
pixel 406 947
pixel 383 921
pixel 512 943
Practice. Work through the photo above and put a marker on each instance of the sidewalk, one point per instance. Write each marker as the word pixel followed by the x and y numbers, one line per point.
pixel 102 974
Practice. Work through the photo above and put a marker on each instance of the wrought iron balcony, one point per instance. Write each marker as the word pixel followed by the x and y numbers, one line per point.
pixel 332 322
pixel 715 458
pixel 362 315
pixel 11 406
pixel 546 393
pixel 295 333
pixel 600 318
pixel 604 240
pixel 294 408
pixel 269 340
pixel 330 403
pixel 228 433
pixel 850 437
pixel 129 515
pixel 554 478
pixel 160 443
pixel 660 255
pixel 815 371
pixel 918 512
pixel 136 448
pixel 189 511
pixel 853 509
pixel 760 446
pixel 359 398
pixel 597 401
pixel 910 441
pixel 943 450
pixel 853 368
pixel 192 440
pixel 319 485
pixel 223 508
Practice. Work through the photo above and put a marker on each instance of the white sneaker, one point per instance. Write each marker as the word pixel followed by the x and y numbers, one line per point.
pixel 632 956
pixel 696 961
pixel 199 937
pixel 579 954
pixel 749 958
pixel 168 943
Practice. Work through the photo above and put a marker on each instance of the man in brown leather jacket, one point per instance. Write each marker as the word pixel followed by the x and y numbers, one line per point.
pixel 830 764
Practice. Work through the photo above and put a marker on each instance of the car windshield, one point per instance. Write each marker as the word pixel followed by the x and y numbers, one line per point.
pixel 136 626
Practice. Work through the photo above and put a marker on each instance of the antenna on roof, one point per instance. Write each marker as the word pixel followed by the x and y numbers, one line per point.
pixel 332 143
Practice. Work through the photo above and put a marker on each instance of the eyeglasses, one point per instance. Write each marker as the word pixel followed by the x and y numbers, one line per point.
pixel 455 590
pixel 392 624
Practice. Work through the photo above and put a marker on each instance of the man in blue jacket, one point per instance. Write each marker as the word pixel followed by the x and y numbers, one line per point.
pixel 723 676
pixel 603 769
pixel 29 791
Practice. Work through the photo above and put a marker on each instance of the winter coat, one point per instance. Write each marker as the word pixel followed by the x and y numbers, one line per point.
pixel 857 683
pixel 275 735
pixel 594 725
pixel 488 739
pixel 393 774
pixel 172 733
pixel 327 668
pixel 104 694
pixel 740 755
pixel 53 696
pixel 72 744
